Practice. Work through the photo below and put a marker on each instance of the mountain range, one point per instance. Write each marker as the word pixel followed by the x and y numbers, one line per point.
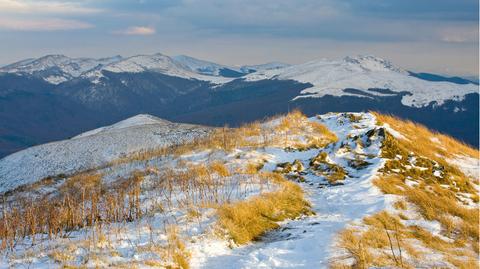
pixel 56 97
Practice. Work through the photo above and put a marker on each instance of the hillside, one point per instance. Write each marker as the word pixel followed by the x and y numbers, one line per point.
pixel 56 97
pixel 93 149
pixel 337 190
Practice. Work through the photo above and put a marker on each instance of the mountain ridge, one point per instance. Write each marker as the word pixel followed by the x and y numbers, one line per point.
pixel 35 110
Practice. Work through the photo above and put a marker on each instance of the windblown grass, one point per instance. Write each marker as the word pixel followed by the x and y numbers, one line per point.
pixel 245 221
pixel 424 141
pixel 417 173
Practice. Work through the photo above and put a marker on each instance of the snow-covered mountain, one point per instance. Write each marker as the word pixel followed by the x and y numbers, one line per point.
pixel 186 89
pixel 93 148
pixel 210 68
pixel 206 67
pixel 262 67
pixel 371 76
pixel 153 63
pixel 57 68
pixel 367 75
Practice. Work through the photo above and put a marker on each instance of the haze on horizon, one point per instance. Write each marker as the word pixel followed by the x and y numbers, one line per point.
pixel 430 35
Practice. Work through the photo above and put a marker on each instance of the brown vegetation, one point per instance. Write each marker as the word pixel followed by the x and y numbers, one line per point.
pixel 416 171
pixel 87 200
pixel 422 140
pixel 81 201
pixel 245 221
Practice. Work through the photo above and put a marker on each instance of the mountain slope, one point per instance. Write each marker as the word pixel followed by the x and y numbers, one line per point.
pixel 93 149
pixel 207 68
pixel 370 75
pixel 152 63
pixel 56 69
pixel 341 190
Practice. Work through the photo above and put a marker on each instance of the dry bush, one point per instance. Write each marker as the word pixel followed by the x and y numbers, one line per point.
pixel 245 221
pixel 81 201
pixel 352 243
pixel 381 243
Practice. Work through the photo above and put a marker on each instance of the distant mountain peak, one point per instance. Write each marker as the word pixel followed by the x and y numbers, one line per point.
pixel 137 120
pixel 363 73
pixel 372 63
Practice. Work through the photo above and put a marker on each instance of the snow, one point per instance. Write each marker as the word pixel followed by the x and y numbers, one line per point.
pixel 155 63
pixel 210 68
pixel 55 79
pixel 327 77
pixel 141 119
pixel 364 73
pixel 468 165
pixel 394 132
pixel 63 68
pixel 262 67
pixel 93 149
pixel 307 242
pixel 56 69
pixel 201 66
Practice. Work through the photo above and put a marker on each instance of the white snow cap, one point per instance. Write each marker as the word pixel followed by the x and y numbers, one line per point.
pixel 363 73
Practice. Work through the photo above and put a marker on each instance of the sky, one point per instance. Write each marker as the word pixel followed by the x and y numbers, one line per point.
pixel 439 36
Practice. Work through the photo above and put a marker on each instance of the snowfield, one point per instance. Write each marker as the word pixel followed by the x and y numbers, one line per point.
pixel 62 68
pixel 156 63
pixel 92 149
pixel 364 73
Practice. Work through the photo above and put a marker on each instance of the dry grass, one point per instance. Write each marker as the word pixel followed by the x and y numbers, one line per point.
pixel 381 244
pixel 81 201
pixel 176 250
pixel 437 204
pixel 421 139
pixel 85 200
pixel 245 221
pixel 381 237
pixel 256 134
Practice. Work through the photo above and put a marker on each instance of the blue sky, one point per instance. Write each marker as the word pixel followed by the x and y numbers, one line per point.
pixel 425 35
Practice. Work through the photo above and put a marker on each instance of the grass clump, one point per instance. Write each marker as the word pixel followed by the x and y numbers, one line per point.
pixel 332 172
pixel 423 141
pixel 245 221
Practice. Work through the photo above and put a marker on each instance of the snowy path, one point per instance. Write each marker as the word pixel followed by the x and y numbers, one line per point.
pixel 308 242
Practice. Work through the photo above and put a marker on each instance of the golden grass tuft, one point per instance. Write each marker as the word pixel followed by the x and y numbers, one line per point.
pixel 421 139
pixel 176 249
pixel 382 243
pixel 436 198
pixel 245 221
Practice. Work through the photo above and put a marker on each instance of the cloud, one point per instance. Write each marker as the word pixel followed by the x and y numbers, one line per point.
pixel 42 24
pixel 137 30
pixel 41 6
pixel 459 34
